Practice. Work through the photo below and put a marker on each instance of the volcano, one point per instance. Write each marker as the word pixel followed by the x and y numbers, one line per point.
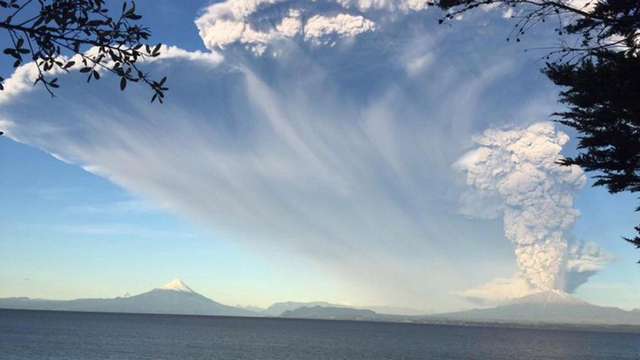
pixel 549 307
pixel 173 298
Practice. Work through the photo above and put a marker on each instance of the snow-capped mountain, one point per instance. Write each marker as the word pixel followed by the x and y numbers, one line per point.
pixel 173 298
pixel 176 285
pixel 549 307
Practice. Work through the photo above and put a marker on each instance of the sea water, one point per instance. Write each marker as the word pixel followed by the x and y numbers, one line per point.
pixel 42 335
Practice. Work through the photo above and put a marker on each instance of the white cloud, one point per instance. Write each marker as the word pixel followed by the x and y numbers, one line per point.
pixel 291 25
pixel 341 25
pixel 6 125
pixel 257 24
pixel 500 291
pixel 389 5
pixel 514 173
pixel 340 155
pixel 417 65
pixel 299 164
pixel 583 261
pixel 417 56
pixel 172 52
pixel 587 257
pixel 584 5
pixel 21 81
pixel 23 78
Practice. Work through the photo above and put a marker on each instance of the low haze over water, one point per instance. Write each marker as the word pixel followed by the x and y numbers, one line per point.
pixel 65 335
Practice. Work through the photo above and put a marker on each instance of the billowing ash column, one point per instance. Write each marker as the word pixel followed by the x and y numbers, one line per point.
pixel 517 171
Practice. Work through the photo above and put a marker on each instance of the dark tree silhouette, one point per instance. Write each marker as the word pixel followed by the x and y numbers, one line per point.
pixel 599 71
pixel 603 100
pixel 45 31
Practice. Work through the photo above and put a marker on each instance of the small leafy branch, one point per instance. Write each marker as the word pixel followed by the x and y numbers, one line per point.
pixel 44 31
pixel 599 25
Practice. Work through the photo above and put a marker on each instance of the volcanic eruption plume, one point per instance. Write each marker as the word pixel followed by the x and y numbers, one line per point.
pixel 514 174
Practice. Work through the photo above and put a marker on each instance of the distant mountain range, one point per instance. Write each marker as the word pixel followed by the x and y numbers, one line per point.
pixel 173 298
pixel 332 313
pixel 552 307
pixel 280 308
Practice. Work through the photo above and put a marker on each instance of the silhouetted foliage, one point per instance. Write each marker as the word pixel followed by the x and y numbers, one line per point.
pixel 44 31
pixel 603 100
pixel 600 71
pixel 599 24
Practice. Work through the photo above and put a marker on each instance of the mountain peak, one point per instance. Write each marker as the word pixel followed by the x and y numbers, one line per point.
pixel 549 297
pixel 176 285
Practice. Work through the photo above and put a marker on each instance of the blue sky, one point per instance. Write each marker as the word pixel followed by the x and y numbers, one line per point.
pixel 304 168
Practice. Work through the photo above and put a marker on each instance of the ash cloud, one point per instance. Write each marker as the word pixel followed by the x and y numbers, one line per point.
pixel 323 130
pixel 513 174
pixel 257 25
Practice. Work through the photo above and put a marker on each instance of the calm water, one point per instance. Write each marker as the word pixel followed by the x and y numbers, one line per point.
pixel 87 336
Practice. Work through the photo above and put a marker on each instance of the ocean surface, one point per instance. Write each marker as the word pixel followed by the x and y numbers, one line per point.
pixel 87 336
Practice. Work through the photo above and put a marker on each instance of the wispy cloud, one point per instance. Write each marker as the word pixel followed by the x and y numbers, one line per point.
pixel 340 151
pixel 120 230
pixel 123 206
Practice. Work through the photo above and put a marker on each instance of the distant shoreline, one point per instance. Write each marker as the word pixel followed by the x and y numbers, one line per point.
pixel 630 329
